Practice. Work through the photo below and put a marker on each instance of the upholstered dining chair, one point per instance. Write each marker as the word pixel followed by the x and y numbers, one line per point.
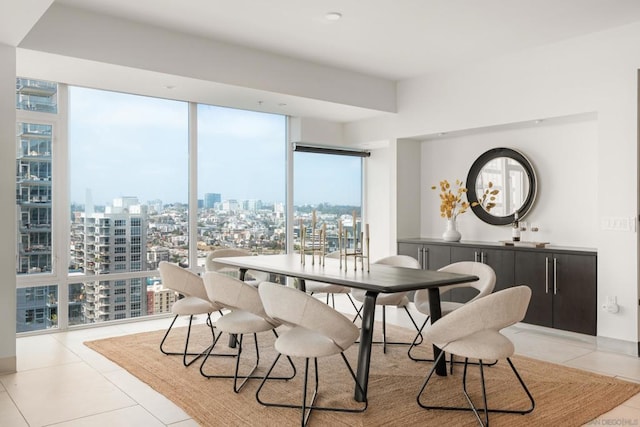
pixel 330 289
pixel 397 299
pixel 484 285
pixel 473 332
pixel 315 330
pixel 193 301
pixel 252 277
pixel 246 316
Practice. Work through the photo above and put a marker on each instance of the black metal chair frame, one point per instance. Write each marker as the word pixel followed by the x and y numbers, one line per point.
pixel 186 352
pixel 308 408
pixel 472 407
pixel 236 376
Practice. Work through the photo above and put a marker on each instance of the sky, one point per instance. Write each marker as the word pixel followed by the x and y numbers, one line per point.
pixel 129 145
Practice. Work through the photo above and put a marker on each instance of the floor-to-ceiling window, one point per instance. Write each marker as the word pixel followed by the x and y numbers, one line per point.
pixel 241 180
pixel 106 189
pixel 329 186
pixel 129 188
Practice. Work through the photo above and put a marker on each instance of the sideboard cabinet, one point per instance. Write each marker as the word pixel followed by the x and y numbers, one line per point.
pixel 563 280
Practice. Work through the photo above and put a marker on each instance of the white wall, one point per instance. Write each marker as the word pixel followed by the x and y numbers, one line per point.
pixel 595 73
pixel 564 157
pixel 8 199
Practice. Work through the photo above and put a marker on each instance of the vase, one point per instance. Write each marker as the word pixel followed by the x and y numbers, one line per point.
pixel 451 234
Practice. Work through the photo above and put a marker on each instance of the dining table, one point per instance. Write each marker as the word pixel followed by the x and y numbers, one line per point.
pixel 373 278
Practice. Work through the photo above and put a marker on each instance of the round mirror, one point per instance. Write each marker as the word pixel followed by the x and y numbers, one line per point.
pixel 500 183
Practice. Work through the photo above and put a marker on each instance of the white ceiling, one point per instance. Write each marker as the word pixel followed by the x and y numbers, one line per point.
pixel 391 39
pixel 394 39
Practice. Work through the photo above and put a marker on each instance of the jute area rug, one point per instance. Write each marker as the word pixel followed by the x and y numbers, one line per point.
pixel 564 396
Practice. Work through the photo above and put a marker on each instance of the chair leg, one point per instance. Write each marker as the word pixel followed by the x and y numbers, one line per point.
pixel 186 352
pixel 307 408
pixel 248 376
pixel 471 406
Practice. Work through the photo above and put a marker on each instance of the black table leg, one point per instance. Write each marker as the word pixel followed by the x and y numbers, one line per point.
pixel 364 351
pixel 436 313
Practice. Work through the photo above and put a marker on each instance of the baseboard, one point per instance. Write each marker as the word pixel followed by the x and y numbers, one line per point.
pixel 8 365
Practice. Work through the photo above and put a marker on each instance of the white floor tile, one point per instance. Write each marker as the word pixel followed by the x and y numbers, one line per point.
pixel 134 416
pixel 42 351
pixel 609 364
pixel 155 403
pixel 62 393
pixel 10 416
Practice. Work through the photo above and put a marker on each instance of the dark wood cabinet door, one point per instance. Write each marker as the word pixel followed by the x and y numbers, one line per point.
pixel 431 257
pixel 575 293
pixel 437 256
pixel 413 250
pixel 501 261
pixel 534 270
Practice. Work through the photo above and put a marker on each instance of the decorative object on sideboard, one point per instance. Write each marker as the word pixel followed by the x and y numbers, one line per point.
pixel 513 175
pixel 452 204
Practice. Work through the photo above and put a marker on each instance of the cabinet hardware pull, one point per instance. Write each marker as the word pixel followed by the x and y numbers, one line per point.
pixel 475 256
pixel 555 276
pixel 482 257
pixel 420 258
pixel 546 275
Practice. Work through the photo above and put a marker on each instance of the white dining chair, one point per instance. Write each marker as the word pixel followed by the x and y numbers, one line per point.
pixel 251 277
pixel 315 330
pixel 193 301
pixel 484 285
pixel 473 332
pixel 246 315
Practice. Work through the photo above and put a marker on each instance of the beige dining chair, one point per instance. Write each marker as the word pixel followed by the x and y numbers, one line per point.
pixel 246 315
pixel 193 301
pixel 484 285
pixel 330 289
pixel 252 277
pixel 473 332
pixel 315 330
pixel 396 299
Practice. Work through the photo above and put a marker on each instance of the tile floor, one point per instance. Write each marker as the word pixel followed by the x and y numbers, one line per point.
pixel 60 382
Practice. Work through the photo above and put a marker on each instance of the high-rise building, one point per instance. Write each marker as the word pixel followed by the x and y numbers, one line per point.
pixel 111 242
pixel 37 307
pixel 210 200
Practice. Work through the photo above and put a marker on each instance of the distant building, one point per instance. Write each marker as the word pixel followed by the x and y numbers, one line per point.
pixel 252 205
pixel 210 200
pixel 230 205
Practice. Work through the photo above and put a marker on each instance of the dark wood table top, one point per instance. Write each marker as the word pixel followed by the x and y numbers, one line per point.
pixel 380 278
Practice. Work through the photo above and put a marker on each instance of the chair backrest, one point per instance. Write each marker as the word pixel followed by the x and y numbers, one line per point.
pixel 212 265
pixel 298 309
pixel 233 294
pixel 485 284
pixel 180 280
pixel 496 311
pixel 400 261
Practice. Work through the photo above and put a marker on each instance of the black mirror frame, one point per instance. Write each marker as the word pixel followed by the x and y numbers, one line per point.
pixel 473 176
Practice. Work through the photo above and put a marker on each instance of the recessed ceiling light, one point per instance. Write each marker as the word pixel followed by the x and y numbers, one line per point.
pixel 333 16
pixel 169 87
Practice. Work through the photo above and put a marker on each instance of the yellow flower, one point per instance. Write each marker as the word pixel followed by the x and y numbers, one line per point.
pixel 451 199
